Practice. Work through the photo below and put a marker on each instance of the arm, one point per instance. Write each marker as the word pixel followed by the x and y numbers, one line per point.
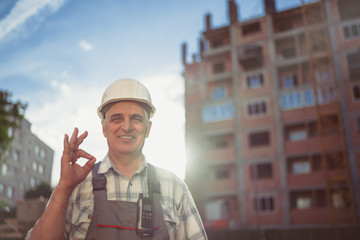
pixel 51 225
pixel 191 226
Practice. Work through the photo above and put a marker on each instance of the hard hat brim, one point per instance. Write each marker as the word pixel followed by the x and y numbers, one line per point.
pixel 100 108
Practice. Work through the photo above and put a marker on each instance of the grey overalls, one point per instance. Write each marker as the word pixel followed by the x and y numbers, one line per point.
pixel 117 219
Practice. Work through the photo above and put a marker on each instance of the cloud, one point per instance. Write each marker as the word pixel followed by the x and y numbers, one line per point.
pixel 23 11
pixel 86 46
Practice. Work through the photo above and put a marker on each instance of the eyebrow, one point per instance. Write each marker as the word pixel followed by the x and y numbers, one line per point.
pixel 115 115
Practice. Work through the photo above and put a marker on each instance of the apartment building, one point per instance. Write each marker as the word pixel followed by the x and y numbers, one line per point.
pixel 273 117
pixel 28 163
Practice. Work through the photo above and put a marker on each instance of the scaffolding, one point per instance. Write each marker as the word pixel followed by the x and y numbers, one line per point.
pixel 339 191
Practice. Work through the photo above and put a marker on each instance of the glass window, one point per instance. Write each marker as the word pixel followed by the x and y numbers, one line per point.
pixel 297 135
pixel 4 169
pixel 1 188
pixel 291 100
pixel 301 167
pixel 259 139
pixel 41 169
pixel 218 112
pixel 42 154
pixel 303 203
pixel 10 132
pixel 255 81
pixel 309 97
pixel 261 171
pixel 34 166
pixel 219 93
pixel 37 149
pixel 32 182
pixel 10 192
pixel 264 204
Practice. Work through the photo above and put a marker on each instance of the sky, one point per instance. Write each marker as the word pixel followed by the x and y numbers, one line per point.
pixel 58 56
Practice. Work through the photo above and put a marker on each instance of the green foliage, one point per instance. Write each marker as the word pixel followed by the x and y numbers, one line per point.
pixel 11 113
pixel 43 190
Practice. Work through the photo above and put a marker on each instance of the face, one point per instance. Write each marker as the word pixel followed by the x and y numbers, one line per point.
pixel 126 126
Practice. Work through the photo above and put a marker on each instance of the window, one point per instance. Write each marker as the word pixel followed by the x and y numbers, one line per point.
pixel 351 31
pixel 218 93
pixel 10 192
pixel 358 124
pixel 291 100
pixel 10 132
pixel 255 81
pixel 303 203
pixel 218 67
pixel 32 182
pixel 261 171
pixel 326 94
pixel 356 92
pixel 16 155
pixel 41 169
pixel 256 109
pixel 301 167
pixel 263 204
pixel 42 154
pixel 297 135
pixel 353 60
pixel 24 169
pixel 309 97
pixel 259 139
pixel 290 81
pixel 36 149
pixel 323 75
pixel 2 187
pixel 218 112
pixel 4 169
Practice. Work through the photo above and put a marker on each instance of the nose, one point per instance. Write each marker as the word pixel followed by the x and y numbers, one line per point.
pixel 127 125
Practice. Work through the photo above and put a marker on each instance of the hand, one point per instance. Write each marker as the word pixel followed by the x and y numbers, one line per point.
pixel 72 173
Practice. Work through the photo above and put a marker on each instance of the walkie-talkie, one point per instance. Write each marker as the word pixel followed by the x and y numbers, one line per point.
pixel 145 216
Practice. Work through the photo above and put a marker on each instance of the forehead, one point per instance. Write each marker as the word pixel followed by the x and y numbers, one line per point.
pixel 126 107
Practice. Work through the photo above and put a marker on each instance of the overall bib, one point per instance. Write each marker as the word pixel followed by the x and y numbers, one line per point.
pixel 117 219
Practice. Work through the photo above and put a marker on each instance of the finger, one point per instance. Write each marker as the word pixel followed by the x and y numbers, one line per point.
pixel 89 165
pixel 82 154
pixel 81 139
pixel 66 144
pixel 73 139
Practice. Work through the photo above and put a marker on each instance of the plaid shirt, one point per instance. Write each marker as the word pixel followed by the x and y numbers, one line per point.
pixel 180 213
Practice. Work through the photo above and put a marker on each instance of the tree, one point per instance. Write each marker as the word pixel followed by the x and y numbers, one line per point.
pixel 43 190
pixel 11 114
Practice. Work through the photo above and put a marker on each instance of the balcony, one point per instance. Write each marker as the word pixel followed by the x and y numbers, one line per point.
pixel 309 179
pixel 218 51
pixel 251 57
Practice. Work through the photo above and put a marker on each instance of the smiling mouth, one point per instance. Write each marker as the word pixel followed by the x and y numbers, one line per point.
pixel 126 137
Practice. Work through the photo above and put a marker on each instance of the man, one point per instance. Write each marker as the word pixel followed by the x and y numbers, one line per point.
pixel 122 197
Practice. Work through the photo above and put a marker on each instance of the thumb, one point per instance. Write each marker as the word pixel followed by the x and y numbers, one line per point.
pixel 89 165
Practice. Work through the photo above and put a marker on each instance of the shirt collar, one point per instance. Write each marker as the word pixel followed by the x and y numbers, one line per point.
pixel 106 165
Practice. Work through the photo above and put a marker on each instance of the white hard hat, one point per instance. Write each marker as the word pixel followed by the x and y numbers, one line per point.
pixel 126 89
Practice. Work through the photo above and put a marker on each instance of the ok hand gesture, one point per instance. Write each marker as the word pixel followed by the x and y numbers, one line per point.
pixel 72 173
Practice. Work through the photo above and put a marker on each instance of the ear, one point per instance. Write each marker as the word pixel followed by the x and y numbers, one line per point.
pixel 103 127
pixel 148 129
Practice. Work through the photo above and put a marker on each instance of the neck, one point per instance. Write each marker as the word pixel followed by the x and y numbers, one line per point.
pixel 126 164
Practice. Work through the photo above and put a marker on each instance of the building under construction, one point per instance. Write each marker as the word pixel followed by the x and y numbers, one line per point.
pixel 273 117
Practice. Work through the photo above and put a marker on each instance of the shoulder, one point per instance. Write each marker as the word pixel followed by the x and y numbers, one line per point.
pixel 172 187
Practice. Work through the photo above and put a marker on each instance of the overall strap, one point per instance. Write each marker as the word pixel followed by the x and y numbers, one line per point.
pixel 98 182
pixel 153 182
